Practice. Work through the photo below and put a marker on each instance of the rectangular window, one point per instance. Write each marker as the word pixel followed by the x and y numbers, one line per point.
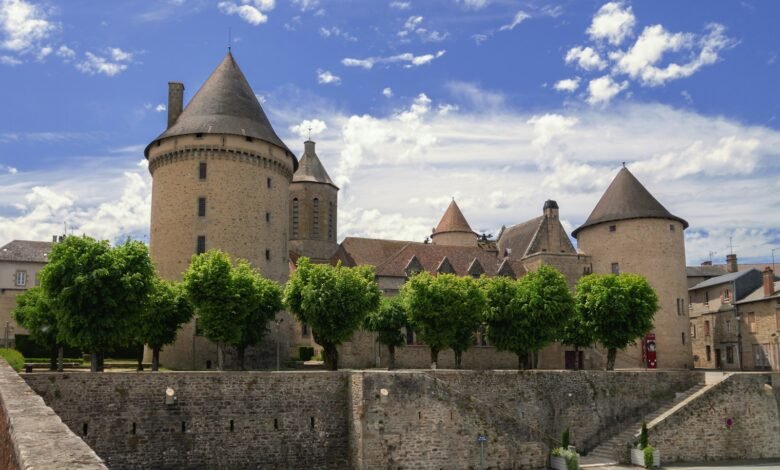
pixel 693 330
pixel 728 326
pixel 267 216
pixel 777 318
pixel 37 279
pixel 409 335
pixel 730 354
pixel 613 228
pixel 726 296
pixel 706 328
pixel 202 170
pixel 201 207
pixel 680 306
pixel 671 227
pixel 304 330
pixel 21 278
pixel 709 353
pixel 199 135
pixel 683 337
pixel 267 254
pixel 268 182
pixel 706 297
pixel 751 318
pixel 615 268
pixel 201 248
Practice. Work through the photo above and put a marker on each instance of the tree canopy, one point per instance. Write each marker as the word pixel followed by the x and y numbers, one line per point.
pixel 388 321
pixel 333 300
pixel 34 312
pixel 166 311
pixel 619 308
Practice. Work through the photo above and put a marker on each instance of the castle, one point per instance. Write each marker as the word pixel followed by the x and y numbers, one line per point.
pixel 222 178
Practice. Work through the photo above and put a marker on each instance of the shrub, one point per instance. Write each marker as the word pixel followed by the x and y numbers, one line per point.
pixel 643 436
pixel 305 353
pixel 14 358
pixel 572 459
pixel 565 439
pixel 648 456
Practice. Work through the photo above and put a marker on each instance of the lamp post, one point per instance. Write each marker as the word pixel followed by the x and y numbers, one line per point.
pixel 278 322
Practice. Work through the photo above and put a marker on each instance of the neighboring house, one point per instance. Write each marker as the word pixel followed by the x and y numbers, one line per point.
pixel 760 311
pixel 707 270
pixel 20 263
pixel 716 324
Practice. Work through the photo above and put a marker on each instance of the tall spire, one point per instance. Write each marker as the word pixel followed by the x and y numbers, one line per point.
pixel 310 168
pixel 624 199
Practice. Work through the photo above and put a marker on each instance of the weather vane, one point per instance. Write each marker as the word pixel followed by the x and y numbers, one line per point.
pixel 230 40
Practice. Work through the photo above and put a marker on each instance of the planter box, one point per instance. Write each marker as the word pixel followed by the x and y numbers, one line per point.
pixel 638 457
pixel 559 463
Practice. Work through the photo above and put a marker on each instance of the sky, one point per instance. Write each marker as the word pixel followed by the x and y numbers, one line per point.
pixel 501 104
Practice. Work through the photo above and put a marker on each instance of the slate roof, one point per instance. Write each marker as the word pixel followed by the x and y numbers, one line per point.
pixel 518 237
pixel 721 279
pixel 758 294
pixel 310 167
pixel 624 199
pixel 26 251
pixel 453 220
pixel 225 104
pixel 706 271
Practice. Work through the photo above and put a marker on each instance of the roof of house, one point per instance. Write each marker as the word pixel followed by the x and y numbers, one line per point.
pixel 517 238
pixel 706 270
pixel 758 294
pixel 730 277
pixel 225 104
pixel 453 221
pixel 26 251
pixel 626 198
pixel 310 168
pixel 358 251
pixel 432 257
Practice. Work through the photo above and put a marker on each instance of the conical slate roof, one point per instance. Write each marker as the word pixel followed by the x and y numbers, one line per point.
pixel 626 198
pixel 453 220
pixel 225 104
pixel 310 167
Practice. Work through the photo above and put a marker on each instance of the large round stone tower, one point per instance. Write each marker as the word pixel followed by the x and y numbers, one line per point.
pixel 221 179
pixel 313 209
pixel 629 231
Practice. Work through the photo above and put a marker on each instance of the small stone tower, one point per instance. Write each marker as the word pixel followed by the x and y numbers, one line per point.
pixel 221 179
pixel 453 229
pixel 313 209
pixel 629 231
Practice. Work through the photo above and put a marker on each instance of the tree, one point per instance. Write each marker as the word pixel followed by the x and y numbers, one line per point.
pixel 260 299
pixel 444 311
pixel 387 321
pixel 578 333
pixel 333 300
pixel 620 309
pixel 34 312
pixel 167 310
pixel 98 292
pixel 508 326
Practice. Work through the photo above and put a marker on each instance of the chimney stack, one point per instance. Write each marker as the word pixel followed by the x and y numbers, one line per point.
pixel 550 209
pixel 731 263
pixel 309 147
pixel 706 263
pixel 769 282
pixel 175 101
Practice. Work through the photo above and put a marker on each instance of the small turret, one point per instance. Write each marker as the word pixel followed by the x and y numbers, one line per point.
pixel 453 229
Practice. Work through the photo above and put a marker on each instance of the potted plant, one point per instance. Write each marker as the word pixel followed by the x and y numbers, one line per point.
pixel 565 457
pixel 644 454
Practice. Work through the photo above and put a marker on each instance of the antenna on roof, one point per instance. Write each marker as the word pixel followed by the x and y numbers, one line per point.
pixel 230 40
pixel 712 253
pixel 731 245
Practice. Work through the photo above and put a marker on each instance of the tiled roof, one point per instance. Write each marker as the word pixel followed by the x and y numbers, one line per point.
pixel 225 104
pixel 431 258
pixel 357 251
pixel 624 199
pixel 26 251
pixel 310 167
pixel 453 220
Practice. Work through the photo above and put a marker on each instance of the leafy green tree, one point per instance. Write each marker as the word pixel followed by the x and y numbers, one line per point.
pixel 387 322
pixel 509 328
pixel 333 300
pixel 167 310
pixel 578 333
pixel 98 292
pixel 620 308
pixel 34 312
pixel 444 310
pixel 259 299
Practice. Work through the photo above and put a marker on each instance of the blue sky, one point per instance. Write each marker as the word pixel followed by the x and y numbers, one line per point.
pixel 500 103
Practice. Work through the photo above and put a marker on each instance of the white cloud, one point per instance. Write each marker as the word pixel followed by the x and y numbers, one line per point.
pixel 407 58
pixel 387 92
pixel 601 90
pixel 474 4
pixel 325 77
pixel 23 25
pixel 548 127
pixel 114 64
pixel 401 5
pixel 66 53
pixel 475 96
pixel 413 24
pixel 519 17
pixel 9 60
pixel 567 84
pixel 335 31
pixel 160 108
pixel 309 128
pixel 306 5
pixel 9 169
pixel 586 58
pixel 251 11
pixel 614 22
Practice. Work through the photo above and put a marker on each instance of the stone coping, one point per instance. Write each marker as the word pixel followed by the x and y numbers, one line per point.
pixel 39 438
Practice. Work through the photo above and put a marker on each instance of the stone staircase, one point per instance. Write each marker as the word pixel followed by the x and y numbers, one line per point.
pixel 610 451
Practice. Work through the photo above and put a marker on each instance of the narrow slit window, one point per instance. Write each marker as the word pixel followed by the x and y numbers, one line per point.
pixel 202 170
pixel 201 207
pixel 201 247
pixel 294 217
pixel 316 218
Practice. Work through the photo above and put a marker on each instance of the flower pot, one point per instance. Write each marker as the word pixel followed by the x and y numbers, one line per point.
pixel 558 463
pixel 638 457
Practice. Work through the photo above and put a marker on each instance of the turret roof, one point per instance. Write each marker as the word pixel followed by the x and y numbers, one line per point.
pixel 225 104
pixel 626 198
pixel 453 221
pixel 310 168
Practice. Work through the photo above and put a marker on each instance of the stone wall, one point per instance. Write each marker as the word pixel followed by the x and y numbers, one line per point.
pixel 32 435
pixel 700 431
pixel 220 420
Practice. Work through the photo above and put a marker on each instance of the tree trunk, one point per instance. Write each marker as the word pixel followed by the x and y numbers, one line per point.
pixel 220 356
pixel 434 358
pixel 53 353
pixel 611 354
pixel 458 359
pixel 391 359
pixel 576 358
pixel 155 359
pixel 139 357
pixel 101 356
pixel 60 358
pixel 522 361
pixel 331 356
pixel 241 350
pixel 93 362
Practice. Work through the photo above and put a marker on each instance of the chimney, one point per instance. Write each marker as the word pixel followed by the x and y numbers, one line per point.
pixel 175 101
pixel 54 238
pixel 706 263
pixel 550 209
pixel 769 282
pixel 731 263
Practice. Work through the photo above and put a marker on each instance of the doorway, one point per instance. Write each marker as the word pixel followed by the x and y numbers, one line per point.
pixel 569 358
pixel 718 359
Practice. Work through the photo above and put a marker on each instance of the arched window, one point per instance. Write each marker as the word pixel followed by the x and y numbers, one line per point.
pixel 316 218
pixel 330 221
pixel 295 217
